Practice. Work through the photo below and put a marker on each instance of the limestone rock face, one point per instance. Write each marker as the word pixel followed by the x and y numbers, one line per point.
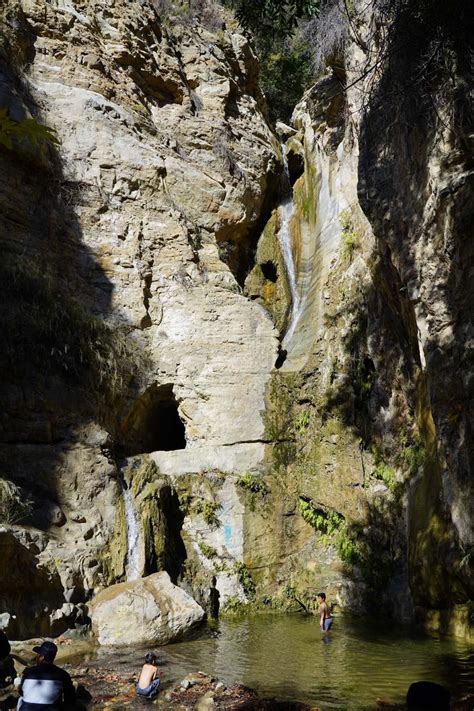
pixel 130 242
pixel 376 384
pixel 147 611
pixel 26 606
pixel 168 171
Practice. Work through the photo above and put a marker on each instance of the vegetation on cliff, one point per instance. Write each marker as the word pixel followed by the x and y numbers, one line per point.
pixel 15 133
pixel 292 39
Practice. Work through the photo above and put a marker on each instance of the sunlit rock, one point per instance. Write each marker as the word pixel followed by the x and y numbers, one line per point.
pixel 150 610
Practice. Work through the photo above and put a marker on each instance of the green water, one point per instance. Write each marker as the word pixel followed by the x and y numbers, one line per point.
pixel 287 657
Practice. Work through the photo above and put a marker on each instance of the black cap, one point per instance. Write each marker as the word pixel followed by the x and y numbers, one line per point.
pixel 47 649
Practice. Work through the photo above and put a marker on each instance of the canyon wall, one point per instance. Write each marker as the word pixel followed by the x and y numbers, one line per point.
pixel 126 328
pixel 374 393
pixel 155 416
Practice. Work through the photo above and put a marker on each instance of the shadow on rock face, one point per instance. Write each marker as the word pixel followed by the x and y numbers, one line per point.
pixel 29 592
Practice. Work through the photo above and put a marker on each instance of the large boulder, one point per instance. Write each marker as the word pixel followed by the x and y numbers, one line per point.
pixel 149 610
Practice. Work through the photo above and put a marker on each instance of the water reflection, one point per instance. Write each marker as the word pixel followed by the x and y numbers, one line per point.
pixel 287 657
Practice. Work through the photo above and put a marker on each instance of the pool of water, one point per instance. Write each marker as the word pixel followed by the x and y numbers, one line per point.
pixel 287 657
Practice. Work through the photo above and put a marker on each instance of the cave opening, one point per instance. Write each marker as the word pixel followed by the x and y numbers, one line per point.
pixel 171 554
pixel 153 423
pixel 269 271
pixel 295 166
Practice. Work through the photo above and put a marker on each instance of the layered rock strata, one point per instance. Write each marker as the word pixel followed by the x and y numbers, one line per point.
pixel 124 248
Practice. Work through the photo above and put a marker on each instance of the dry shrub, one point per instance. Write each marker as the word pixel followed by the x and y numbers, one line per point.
pixel 208 13
pixel 326 34
pixel 14 506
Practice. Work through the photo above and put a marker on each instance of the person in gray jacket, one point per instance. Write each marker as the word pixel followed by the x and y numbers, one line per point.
pixel 46 687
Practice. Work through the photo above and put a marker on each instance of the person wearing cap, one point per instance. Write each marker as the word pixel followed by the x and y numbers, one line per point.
pixel 46 687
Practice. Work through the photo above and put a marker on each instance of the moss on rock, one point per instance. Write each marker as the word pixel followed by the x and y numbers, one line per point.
pixel 268 282
pixel 113 558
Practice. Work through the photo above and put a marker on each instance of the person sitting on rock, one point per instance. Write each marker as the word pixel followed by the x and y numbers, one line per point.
pixel 7 666
pixel 148 682
pixel 46 686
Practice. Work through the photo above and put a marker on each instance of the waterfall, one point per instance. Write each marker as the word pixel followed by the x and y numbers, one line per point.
pixel 287 210
pixel 133 537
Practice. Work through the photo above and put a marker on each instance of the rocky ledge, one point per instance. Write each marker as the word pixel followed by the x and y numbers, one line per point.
pixel 99 686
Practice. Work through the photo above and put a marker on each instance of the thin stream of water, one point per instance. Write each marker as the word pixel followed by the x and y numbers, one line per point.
pixel 287 209
pixel 133 537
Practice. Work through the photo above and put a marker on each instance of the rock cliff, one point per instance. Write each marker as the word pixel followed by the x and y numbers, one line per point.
pixel 124 248
pixel 148 424
pixel 374 388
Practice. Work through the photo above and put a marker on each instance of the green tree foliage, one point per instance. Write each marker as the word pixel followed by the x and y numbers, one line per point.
pixel 13 133
pixel 284 51
pixel 274 17
pixel 286 71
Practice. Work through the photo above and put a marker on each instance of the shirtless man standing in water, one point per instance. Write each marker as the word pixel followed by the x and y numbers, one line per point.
pixel 325 619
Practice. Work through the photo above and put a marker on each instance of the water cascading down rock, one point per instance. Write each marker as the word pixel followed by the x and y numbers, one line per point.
pixel 287 210
pixel 133 537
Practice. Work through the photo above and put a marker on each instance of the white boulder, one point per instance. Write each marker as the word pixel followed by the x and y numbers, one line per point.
pixel 150 610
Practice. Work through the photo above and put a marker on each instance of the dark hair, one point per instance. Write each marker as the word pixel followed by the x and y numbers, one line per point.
pixel 151 658
pixel 4 645
pixel 428 696
pixel 323 595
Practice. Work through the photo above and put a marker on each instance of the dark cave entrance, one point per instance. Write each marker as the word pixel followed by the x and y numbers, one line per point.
pixel 295 166
pixel 153 424
pixel 172 553
pixel 269 271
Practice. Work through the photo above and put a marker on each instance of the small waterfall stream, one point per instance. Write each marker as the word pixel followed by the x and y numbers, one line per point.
pixel 133 538
pixel 287 209
pixel 132 568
